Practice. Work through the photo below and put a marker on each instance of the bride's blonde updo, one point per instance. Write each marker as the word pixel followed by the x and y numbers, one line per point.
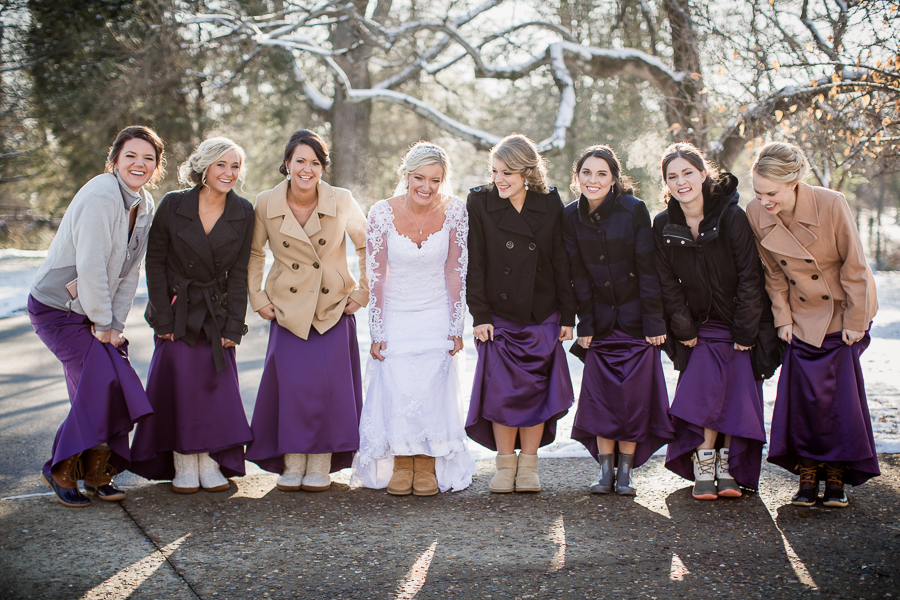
pixel 520 155
pixel 781 162
pixel 193 170
pixel 419 155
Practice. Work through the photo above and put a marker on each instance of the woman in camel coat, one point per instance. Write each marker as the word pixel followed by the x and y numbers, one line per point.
pixel 823 300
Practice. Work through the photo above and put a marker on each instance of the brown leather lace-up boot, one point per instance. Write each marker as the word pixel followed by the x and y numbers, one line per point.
pixel 834 496
pixel 808 492
pixel 63 480
pixel 98 475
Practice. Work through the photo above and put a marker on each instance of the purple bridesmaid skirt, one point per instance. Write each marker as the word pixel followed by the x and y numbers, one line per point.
pixel 623 396
pixel 310 397
pixel 195 409
pixel 717 391
pixel 821 410
pixel 521 380
pixel 106 394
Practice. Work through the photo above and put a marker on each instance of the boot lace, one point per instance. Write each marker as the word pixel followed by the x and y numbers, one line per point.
pixel 706 466
pixel 73 471
pixel 834 476
pixel 809 476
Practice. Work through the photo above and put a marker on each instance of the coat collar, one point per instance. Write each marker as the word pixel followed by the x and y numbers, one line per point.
pixel 222 232
pixel 527 221
pixel 792 241
pixel 278 207
pixel 606 208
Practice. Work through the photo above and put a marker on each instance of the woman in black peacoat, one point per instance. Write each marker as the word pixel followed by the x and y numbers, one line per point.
pixel 197 259
pixel 520 294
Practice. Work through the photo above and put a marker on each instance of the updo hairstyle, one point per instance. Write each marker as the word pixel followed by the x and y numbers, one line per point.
pixel 419 155
pixel 622 184
pixel 520 155
pixel 193 170
pixel 781 162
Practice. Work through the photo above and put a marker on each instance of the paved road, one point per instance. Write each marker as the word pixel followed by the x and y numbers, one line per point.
pixel 256 542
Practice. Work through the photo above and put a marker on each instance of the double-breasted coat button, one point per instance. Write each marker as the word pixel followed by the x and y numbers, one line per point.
pixel 506 270
pixel 532 246
pixel 602 257
pixel 809 260
pixel 825 298
pixel 293 290
pixel 295 266
pixel 315 265
pixel 510 245
pixel 793 282
pixel 539 267
pixel 607 284
pixel 324 290
pixel 244 330
pixel 191 265
pixel 503 296
pixel 285 244
pixel 802 299
pixel 784 263
pixel 214 298
pixel 321 215
pixel 815 277
pixel 321 241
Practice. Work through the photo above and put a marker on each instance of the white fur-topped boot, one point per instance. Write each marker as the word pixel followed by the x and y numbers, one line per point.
pixel 291 477
pixel 317 478
pixel 187 473
pixel 211 477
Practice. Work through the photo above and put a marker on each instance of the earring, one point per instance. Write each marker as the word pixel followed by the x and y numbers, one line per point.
pixel 526 186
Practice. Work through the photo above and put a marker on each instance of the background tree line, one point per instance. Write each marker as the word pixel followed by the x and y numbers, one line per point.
pixel 376 75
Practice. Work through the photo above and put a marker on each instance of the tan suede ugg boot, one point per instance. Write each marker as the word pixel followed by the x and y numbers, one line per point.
pixel 527 479
pixel 504 480
pixel 401 483
pixel 424 479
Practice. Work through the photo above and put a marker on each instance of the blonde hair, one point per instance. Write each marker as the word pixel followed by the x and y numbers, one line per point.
pixel 420 155
pixel 193 170
pixel 520 155
pixel 781 162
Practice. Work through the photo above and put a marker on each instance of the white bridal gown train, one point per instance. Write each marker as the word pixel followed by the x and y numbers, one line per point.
pixel 413 399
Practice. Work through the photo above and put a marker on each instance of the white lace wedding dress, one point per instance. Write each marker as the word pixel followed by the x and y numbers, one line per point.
pixel 417 299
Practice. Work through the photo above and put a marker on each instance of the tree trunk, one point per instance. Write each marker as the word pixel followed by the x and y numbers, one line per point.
pixel 688 108
pixel 350 122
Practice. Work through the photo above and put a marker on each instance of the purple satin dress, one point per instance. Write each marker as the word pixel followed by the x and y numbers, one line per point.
pixel 821 410
pixel 717 391
pixel 106 394
pixel 521 380
pixel 310 397
pixel 623 396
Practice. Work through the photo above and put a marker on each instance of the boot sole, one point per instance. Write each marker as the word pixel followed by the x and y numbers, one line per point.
pixel 315 488
pixel 69 504
pixel 705 496
pixel 400 492
pixel 730 494
pixel 528 490
pixel 426 493
pixel 184 490
pixel 288 488
pixel 218 488
pixel 626 492
pixel 114 498
pixel 835 504
pixel 502 490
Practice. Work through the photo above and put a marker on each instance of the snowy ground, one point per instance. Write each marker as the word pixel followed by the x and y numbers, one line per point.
pixel 881 362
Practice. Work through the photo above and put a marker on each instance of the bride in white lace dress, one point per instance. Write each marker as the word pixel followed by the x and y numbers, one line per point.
pixel 411 430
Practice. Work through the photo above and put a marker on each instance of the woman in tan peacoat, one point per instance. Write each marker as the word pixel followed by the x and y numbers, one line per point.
pixel 823 300
pixel 306 419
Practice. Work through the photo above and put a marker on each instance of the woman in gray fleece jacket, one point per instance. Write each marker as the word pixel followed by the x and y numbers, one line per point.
pixel 79 301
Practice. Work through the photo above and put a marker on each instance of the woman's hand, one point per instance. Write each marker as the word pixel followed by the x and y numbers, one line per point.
pixel 786 333
pixel 457 344
pixel 167 336
pixel 585 341
pixel 267 312
pixel 110 336
pixel 377 349
pixel 655 340
pixel 741 348
pixel 850 337
pixel 484 332
pixel 566 333
pixel 690 343
pixel 352 306
pixel 226 343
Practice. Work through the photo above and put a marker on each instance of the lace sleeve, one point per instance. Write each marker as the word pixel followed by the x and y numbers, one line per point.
pixel 376 265
pixel 457 264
